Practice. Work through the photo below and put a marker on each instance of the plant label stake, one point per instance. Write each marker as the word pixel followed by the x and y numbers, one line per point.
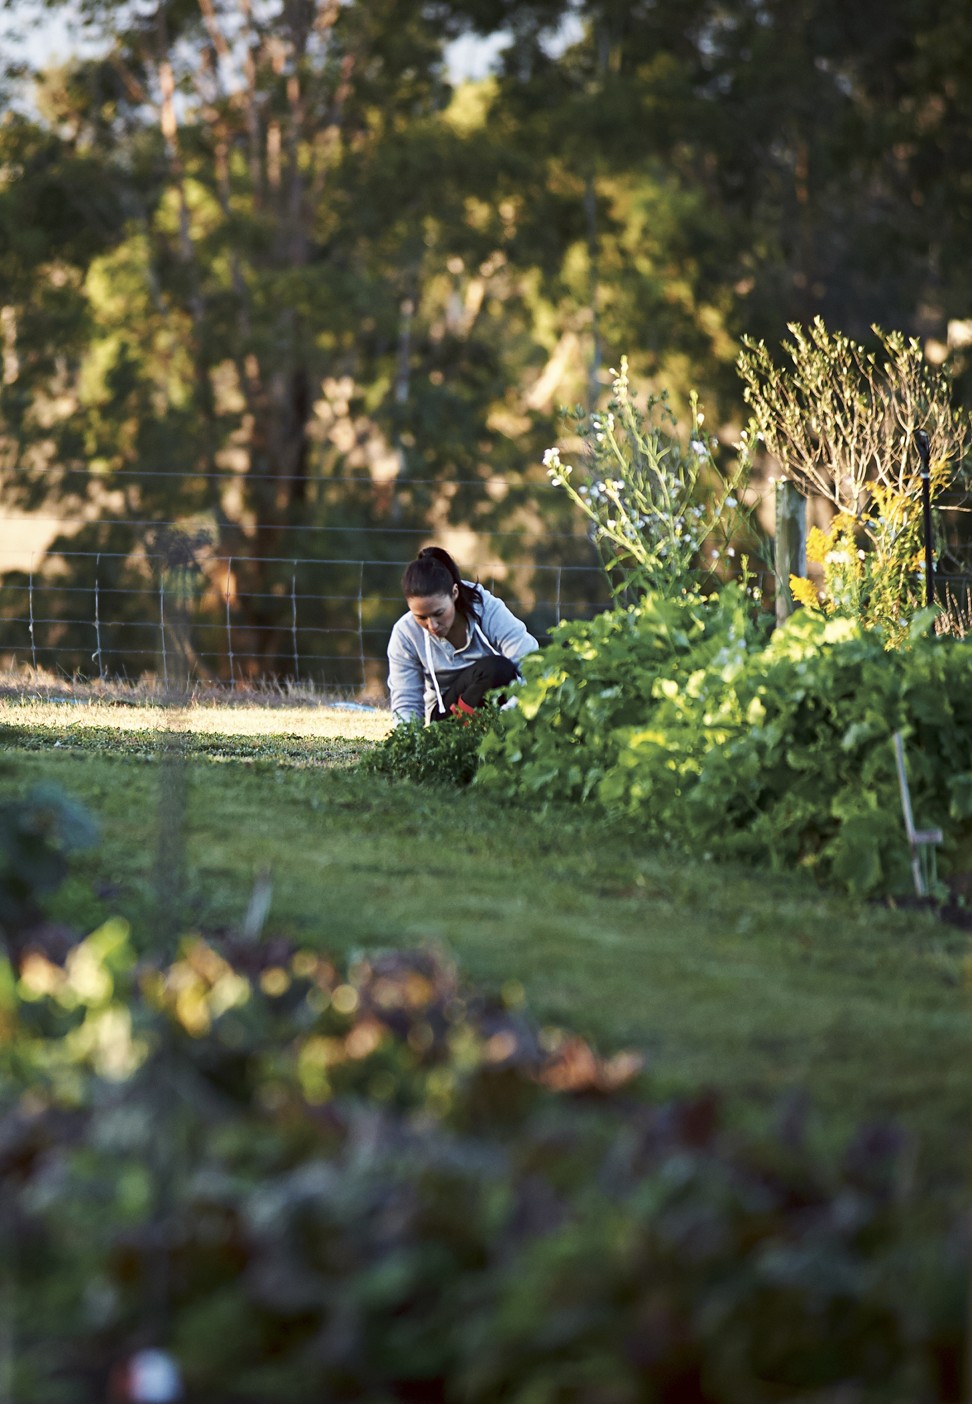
pixel 919 840
pixel 921 441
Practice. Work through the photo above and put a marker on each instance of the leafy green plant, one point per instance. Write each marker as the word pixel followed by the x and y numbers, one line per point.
pixel 779 752
pixel 444 753
pixel 842 422
pixel 596 679
pixel 663 518
pixel 37 835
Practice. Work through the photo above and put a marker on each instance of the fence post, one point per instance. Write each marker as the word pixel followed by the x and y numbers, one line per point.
pixel 97 621
pixel 30 611
pixel 165 661
pixel 293 620
pixel 361 652
pixel 791 544
pixel 229 622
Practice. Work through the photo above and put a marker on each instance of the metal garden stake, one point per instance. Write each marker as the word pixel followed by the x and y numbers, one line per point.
pixel 921 441
pixel 921 842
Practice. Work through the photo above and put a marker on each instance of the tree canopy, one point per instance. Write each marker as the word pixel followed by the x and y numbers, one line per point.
pixel 268 271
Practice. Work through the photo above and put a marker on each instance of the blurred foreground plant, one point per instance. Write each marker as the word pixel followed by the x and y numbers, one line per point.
pixel 392 1185
pixel 37 836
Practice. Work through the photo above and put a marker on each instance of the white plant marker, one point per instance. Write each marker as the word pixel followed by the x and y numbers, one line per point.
pixel 917 838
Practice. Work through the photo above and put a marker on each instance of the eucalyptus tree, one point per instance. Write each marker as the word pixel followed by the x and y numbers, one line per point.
pixel 734 165
pixel 291 324
pixel 267 268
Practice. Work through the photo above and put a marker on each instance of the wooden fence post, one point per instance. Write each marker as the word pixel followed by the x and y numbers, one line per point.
pixel 791 544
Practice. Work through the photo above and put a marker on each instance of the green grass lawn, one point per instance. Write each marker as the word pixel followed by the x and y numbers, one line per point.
pixel 758 984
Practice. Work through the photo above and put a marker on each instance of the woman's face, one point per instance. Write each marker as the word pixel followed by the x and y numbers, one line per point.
pixel 436 613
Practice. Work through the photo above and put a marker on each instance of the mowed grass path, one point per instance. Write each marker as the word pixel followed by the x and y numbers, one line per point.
pixel 757 984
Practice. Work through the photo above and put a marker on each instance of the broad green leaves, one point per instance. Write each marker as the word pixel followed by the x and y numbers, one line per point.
pixel 778 753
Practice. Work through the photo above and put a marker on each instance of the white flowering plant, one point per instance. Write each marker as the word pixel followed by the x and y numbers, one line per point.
pixel 663 517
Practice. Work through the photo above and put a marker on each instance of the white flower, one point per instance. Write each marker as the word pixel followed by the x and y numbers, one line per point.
pixel 700 418
pixel 715 555
pixel 731 502
pixel 730 550
pixel 698 448
pixel 610 420
pixel 554 467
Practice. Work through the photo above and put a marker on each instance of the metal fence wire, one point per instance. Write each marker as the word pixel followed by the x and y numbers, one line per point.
pixel 182 608
pixel 162 600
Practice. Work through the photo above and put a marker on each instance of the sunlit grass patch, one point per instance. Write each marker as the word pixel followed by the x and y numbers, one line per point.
pixel 321 721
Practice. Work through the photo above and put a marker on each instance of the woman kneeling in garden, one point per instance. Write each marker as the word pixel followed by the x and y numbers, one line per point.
pixel 455 644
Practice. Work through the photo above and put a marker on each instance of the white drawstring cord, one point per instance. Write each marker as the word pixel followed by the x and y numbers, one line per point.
pixel 435 680
pixel 429 659
pixel 485 639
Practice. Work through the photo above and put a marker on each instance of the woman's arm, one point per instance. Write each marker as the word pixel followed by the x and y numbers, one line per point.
pixel 406 679
pixel 504 631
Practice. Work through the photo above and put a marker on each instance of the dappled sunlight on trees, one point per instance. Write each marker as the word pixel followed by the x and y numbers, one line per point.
pixel 270 274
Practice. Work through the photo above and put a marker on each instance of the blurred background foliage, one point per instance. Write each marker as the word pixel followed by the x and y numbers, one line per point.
pixel 282 265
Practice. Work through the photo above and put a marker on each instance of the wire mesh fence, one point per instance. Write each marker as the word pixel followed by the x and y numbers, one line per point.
pixel 186 609
pixel 162 600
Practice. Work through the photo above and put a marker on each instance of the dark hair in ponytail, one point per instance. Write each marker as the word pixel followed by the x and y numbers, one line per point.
pixel 434 572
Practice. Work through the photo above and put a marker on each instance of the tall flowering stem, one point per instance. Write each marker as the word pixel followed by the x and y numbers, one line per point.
pixel 663 517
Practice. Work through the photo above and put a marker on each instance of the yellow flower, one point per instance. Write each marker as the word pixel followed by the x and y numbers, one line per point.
pixel 803 591
pixel 818 544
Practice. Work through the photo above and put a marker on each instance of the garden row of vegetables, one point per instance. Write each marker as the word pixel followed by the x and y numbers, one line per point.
pixel 682 707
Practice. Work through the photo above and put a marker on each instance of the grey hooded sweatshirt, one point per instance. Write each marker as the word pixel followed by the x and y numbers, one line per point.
pixel 421 667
